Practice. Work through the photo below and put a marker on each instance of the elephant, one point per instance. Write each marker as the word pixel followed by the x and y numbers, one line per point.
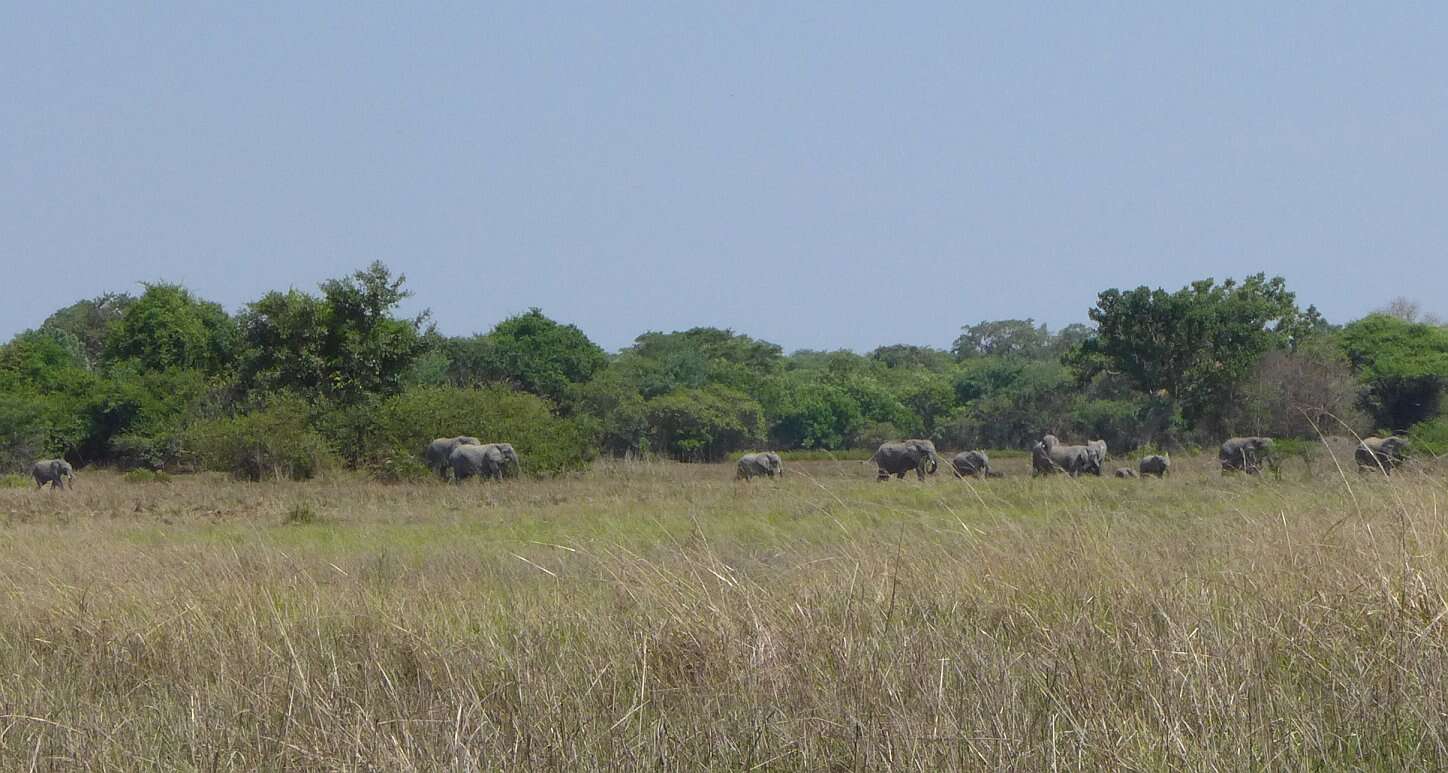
pixel 1378 453
pixel 1097 448
pixel 1245 454
pixel 1049 456
pixel 1156 464
pixel 900 457
pixel 438 452
pixel 52 471
pixel 767 463
pixel 1125 472
pixel 971 463
pixel 490 460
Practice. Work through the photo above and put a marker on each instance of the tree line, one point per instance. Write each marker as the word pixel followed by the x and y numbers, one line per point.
pixel 297 382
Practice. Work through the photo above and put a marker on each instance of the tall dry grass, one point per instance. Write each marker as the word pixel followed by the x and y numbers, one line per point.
pixel 665 616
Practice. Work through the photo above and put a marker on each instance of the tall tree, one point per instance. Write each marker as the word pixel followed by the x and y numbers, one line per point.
pixel 533 353
pixel 1196 345
pixel 345 345
pixel 168 327
pixel 1403 365
pixel 1003 338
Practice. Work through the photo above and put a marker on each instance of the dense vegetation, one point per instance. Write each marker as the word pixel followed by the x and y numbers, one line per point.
pixel 295 382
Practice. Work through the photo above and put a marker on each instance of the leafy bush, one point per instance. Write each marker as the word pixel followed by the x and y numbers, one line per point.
pixel 406 423
pixel 704 424
pixel 1430 437
pixel 270 443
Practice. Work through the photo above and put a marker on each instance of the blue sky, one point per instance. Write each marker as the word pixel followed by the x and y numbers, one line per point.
pixel 820 175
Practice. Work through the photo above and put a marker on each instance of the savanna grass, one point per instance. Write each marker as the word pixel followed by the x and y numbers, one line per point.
pixel 659 615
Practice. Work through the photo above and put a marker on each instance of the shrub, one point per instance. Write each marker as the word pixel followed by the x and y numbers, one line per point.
pixel 407 422
pixel 273 442
pixel 1430 437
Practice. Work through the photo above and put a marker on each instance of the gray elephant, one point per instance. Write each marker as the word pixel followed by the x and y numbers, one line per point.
pixel 1245 454
pixel 900 457
pixel 53 471
pixel 1381 453
pixel 439 451
pixel 1125 472
pixel 1155 464
pixel 489 460
pixel 1049 456
pixel 1097 449
pixel 969 464
pixel 767 464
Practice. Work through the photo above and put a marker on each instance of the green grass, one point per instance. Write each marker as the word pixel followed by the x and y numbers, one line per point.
pixel 661 615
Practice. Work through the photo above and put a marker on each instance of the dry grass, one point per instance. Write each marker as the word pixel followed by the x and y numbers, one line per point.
pixel 667 616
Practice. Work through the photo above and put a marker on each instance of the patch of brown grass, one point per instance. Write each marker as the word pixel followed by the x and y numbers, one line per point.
pixel 665 615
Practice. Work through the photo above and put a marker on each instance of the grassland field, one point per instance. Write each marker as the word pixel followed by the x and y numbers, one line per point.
pixel 666 616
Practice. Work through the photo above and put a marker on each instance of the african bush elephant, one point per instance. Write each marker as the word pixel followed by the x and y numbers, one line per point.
pixel 1155 464
pixel 969 464
pixel 768 464
pixel 1097 449
pixel 1381 453
pixel 53 471
pixel 1245 454
pixel 1049 456
pixel 900 457
pixel 438 452
pixel 1125 472
pixel 490 460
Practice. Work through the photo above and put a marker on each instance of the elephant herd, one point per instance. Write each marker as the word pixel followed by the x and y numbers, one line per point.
pixel 466 457
pixel 1049 456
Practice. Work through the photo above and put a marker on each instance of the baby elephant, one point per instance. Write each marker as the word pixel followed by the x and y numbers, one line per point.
pixel 1125 472
pixel 53 471
pixel 1156 464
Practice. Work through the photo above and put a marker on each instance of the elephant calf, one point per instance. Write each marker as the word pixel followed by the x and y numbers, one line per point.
pixel 767 464
pixel 1125 472
pixel 53 471
pixel 1381 453
pixel 1156 464
pixel 969 464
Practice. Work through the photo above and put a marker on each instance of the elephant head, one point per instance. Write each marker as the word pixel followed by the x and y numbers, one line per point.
pixel 930 460
pixel 510 457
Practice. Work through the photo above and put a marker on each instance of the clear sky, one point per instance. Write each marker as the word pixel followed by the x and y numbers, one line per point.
pixel 819 175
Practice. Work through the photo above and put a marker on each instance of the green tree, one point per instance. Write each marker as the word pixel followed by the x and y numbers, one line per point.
pixel 89 321
pixel 1403 366
pixel 344 346
pixel 536 354
pixel 704 424
pixel 803 412
pixel 1003 338
pixel 1196 345
pixel 910 357
pixel 663 362
pixel 168 327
